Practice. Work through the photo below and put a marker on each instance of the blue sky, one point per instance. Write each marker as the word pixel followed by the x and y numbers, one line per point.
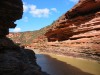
pixel 40 13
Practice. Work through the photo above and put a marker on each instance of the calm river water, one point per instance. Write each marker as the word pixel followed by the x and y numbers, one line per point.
pixel 59 65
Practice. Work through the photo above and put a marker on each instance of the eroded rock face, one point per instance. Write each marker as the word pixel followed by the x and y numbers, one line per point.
pixel 10 11
pixel 82 21
pixel 84 7
pixel 78 31
pixel 18 62
pixel 14 60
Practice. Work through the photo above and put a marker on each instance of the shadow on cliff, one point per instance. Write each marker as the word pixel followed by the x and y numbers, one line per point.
pixel 16 60
pixel 56 67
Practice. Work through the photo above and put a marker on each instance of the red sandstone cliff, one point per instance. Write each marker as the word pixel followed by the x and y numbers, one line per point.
pixel 82 21
pixel 78 31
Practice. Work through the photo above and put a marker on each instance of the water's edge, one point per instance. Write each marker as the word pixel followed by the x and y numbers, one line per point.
pixel 65 65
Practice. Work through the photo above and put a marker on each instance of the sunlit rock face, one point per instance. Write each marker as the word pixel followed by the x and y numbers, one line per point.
pixel 82 21
pixel 78 31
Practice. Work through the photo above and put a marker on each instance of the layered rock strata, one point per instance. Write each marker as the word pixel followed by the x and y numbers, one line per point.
pixel 79 22
pixel 78 31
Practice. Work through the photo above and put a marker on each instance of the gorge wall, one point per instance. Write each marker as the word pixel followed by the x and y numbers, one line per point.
pixel 77 32
pixel 14 60
pixel 82 21
pixel 10 11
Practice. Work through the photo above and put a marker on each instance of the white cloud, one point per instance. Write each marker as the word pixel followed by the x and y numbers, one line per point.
pixel 39 12
pixel 75 1
pixel 25 7
pixel 17 30
pixel 54 9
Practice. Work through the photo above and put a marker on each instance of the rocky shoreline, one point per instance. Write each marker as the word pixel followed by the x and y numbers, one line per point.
pixel 75 50
pixel 81 57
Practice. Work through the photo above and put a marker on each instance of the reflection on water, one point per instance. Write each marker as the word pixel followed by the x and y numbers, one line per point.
pixel 55 67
